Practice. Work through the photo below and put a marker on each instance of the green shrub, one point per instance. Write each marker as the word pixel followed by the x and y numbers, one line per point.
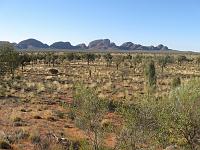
pixel 179 116
pixel 71 114
pixel 59 114
pixel 111 106
pixel 176 82
pixel 150 76
pixel 35 137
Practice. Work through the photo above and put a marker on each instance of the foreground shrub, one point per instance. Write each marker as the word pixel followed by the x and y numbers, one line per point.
pixel 139 125
pixel 90 112
pixel 176 82
pixel 35 137
pixel 179 116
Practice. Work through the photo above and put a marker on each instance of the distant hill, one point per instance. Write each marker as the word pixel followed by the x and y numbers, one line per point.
pixel 132 46
pixel 31 44
pixel 101 44
pixel 61 45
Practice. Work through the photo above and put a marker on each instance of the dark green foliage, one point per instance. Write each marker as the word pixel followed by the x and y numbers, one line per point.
pixel 51 58
pixel 181 59
pixel 129 57
pixel 59 114
pixel 98 56
pixel 164 60
pixel 176 82
pixel 71 114
pixel 112 106
pixel 89 57
pixel 118 60
pixel 138 58
pixel 108 57
pixel 41 56
pixel 198 60
pixel 35 138
pixel 48 58
pixel 9 59
pixel 150 76
pixel 24 59
pixel 62 58
pixel 134 61
pixel 70 56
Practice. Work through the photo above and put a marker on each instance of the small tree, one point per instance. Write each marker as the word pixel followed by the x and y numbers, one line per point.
pixel 90 112
pixel 54 57
pixel 48 58
pixel 162 62
pixel 33 58
pixel 118 60
pixel 70 56
pixel 23 59
pixel 108 57
pixel 135 61
pixel 89 57
pixel 150 76
pixel 198 60
pixel 181 59
pixel 41 57
pixel 9 59
pixel 62 58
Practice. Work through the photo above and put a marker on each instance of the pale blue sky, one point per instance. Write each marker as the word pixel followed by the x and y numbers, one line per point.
pixel 175 23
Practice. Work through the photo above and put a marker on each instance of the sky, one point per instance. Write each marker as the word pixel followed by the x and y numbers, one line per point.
pixel 175 23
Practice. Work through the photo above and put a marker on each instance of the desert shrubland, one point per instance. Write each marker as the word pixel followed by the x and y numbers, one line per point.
pixel 99 101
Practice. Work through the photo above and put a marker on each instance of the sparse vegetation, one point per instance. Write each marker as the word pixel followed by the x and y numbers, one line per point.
pixel 119 101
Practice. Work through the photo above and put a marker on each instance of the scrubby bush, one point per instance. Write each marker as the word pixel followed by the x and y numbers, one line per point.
pixel 71 114
pixel 179 116
pixel 17 122
pixel 89 57
pixel 111 106
pixel 59 114
pixel 164 60
pixel 108 58
pixel 139 124
pixel 150 76
pixel 118 60
pixel 90 112
pixel 181 59
pixel 176 82
pixel 35 137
